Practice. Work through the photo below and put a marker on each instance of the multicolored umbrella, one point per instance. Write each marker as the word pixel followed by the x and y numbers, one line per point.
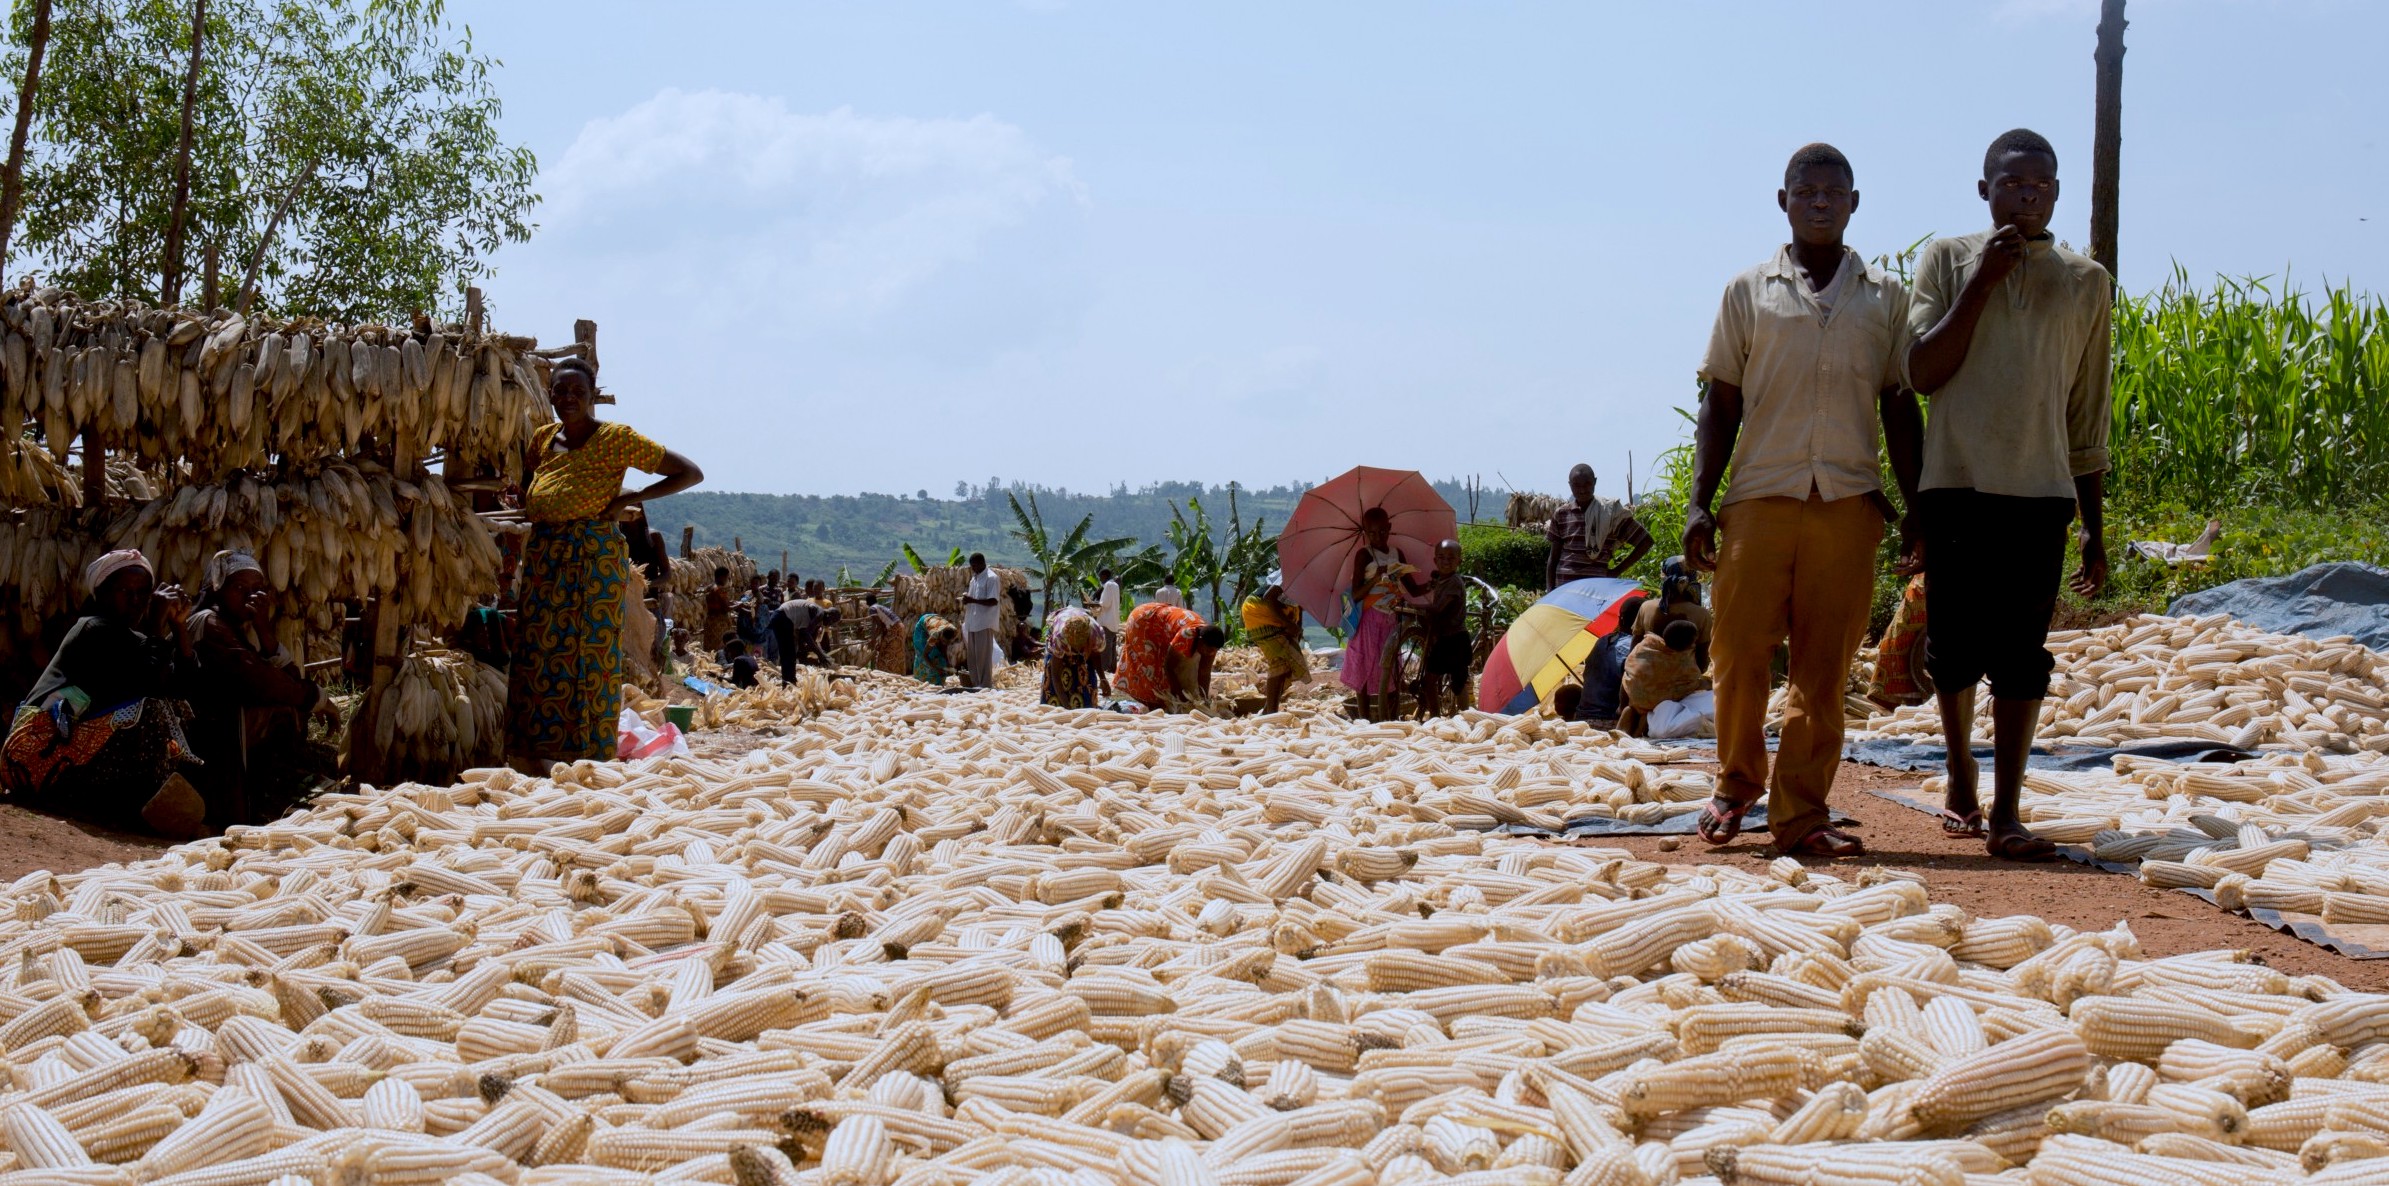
pixel 1316 547
pixel 1547 645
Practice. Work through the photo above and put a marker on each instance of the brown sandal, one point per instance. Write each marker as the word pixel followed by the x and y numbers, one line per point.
pixel 1830 843
pixel 2016 844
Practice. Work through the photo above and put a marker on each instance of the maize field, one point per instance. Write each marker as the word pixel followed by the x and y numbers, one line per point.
pixel 946 940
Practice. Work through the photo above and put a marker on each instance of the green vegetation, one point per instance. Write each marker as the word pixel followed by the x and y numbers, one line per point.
pixel 2234 394
pixel 347 151
pixel 1502 556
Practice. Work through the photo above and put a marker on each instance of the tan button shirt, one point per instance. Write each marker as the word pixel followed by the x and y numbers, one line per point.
pixel 2027 412
pixel 1809 376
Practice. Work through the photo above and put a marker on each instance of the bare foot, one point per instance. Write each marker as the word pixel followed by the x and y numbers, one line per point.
pixel 1964 773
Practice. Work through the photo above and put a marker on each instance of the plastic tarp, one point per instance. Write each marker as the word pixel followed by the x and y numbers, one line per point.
pixel 1892 753
pixel 1683 819
pixel 2319 602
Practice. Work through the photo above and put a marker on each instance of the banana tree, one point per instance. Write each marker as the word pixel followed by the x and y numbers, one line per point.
pixel 1068 562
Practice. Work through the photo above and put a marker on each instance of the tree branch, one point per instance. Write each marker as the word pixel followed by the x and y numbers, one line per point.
pixel 170 285
pixel 272 226
pixel 12 186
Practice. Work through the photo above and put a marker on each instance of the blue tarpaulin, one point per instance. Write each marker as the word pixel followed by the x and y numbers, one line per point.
pixel 2327 599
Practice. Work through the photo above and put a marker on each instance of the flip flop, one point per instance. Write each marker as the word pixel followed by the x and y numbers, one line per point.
pixel 1721 819
pixel 1962 827
pixel 1825 842
pixel 2021 845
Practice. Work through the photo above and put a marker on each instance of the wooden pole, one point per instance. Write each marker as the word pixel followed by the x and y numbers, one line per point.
pixel 170 285
pixel 2107 135
pixel 688 540
pixel 95 470
pixel 12 185
pixel 211 280
pixel 783 562
pixel 473 314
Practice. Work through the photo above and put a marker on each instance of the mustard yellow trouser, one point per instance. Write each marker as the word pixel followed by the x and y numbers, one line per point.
pixel 1801 569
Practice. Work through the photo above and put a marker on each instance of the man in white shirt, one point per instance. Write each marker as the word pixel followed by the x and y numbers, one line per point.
pixel 979 619
pixel 1169 595
pixel 1107 615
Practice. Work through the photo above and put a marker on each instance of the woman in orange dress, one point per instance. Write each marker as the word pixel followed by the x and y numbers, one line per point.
pixel 1165 655
pixel 564 692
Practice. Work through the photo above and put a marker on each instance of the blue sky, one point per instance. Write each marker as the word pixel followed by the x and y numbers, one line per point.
pixel 886 246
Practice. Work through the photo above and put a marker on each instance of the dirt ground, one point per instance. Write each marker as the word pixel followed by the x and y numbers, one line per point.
pixel 30 840
pixel 1958 872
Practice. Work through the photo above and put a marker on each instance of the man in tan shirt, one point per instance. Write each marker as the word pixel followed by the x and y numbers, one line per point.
pixel 2012 348
pixel 1803 362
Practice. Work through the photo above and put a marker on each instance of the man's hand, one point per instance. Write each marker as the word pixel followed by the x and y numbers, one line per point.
pixel 2001 255
pixel 2093 577
pixel 1911 559
pixel 327 710
pixel 1700 539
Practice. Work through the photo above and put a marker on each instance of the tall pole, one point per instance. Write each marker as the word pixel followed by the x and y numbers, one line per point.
pixel 2107 136
pixel 170 285
pixel 12 187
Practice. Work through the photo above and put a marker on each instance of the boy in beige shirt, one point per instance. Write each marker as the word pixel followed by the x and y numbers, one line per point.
pixel 2012 348
pixel 1803 363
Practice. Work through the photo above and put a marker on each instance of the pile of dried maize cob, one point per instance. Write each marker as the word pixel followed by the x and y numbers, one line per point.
pixel 324 533
pixel 2204 679
pixel 939 591
pixel 934 939
pixel 443 712
pixel 219 391
pixel 692 575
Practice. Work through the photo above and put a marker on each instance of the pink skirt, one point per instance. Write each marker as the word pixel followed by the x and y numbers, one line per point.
pixel 1364 652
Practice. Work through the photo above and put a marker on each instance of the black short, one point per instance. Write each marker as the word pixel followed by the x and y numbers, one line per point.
pixel 1448 655
pixel 1992 566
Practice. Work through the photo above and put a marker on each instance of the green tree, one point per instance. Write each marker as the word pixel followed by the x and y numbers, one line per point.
pixel 1070 561
pixel 344 159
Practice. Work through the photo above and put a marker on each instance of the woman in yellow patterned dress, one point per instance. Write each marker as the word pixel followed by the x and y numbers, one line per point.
pixel 564 692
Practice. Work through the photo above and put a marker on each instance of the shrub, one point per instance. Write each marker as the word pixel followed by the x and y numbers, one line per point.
pixel 1503 557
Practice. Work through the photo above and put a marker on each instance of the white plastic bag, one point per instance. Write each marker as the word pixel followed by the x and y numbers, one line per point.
pixel 1693 716
pixel 638 739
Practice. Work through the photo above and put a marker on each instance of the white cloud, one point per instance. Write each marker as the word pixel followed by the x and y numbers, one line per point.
pixel 730 199
pixel 765 278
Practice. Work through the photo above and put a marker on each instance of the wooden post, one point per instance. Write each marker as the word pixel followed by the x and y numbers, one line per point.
pixel 472 314
pixel 95 471
pixel 211 280
pixel 2107 136
pixel 584 335
pixel 783 562
pixel 738 545
pixel 688 540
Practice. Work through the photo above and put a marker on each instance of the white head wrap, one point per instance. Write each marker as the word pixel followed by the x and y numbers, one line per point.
pixel 222 565
pixel 98 571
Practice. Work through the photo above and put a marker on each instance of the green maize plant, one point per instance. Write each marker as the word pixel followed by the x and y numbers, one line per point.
pixel 2235 394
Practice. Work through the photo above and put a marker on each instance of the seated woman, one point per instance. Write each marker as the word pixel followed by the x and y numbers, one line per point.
pixel 1165 656
pixel 933 649
pixel 1073 659
pixel 251 702
pixel 101 735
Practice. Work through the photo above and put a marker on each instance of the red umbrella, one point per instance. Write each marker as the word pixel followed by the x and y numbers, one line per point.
pixel 1321 535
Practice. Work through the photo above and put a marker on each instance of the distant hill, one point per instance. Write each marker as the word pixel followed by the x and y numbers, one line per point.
pixel 861 532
